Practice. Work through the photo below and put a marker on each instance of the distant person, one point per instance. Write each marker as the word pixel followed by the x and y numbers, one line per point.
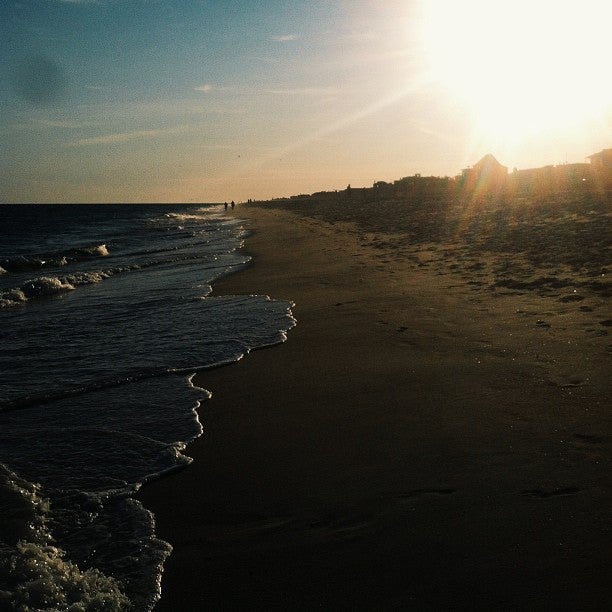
pixel 225 206
pixel 233 204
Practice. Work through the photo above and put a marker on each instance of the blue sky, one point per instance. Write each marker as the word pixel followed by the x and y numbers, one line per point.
pixel 158 100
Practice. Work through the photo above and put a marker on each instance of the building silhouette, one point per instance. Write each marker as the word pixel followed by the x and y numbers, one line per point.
pixel 601 165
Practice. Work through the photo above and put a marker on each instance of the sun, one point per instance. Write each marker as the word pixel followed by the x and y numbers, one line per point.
pixel 522 66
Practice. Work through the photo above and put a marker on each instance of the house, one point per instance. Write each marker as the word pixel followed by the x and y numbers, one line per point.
pixel 602 161
pixel 486 176
pixel 601 166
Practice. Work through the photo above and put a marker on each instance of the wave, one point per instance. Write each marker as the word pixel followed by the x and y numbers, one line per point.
pixel 93 418
pixel 211 214
pixel 78 540
pixel 45 286
pixel 42 579
pixel 23 263
pixel 36 572
pixel 188 216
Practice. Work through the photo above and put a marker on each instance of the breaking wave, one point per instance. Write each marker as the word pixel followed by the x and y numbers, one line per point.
pixel 23 263
pixel 34 573
pixel 45 286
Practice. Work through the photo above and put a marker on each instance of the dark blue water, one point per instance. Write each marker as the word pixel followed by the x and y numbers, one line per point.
pixel 106 311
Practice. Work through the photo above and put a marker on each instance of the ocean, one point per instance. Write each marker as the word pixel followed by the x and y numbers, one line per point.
pixel 106 312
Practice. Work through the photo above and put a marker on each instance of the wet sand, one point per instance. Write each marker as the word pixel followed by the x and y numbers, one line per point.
pixel 428 438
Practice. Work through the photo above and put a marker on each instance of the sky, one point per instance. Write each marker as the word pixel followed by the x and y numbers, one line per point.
pixel 215 100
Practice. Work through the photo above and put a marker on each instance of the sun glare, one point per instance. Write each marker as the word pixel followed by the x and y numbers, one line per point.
pixel 524 66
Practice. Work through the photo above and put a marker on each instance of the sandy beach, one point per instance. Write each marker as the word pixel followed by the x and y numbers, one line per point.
pixel 435 433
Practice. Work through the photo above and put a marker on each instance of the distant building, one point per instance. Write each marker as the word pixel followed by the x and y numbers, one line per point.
pixel 569 176
pixel 601 165
pixel 602 160
pixel 550 180
pixel 486 176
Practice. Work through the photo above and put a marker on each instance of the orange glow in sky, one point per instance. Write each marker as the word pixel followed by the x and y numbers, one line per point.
pixel 140 101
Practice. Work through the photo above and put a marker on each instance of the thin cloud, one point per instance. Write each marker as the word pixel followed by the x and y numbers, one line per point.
pixel 266 60
pixel 66 124
pixel 285 38
pixel 206 87
pixel 303 91
pixel 37 124
pixel 126 137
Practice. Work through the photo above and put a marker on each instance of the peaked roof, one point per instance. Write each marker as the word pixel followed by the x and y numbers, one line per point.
pixel 488 162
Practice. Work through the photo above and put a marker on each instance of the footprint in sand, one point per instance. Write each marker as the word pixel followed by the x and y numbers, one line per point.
pixel 546 494
pixel 567 380
pixel 526 313
pixel 573 297
pixel 596 332
pixel 588 439
pixel 591 445
pixel 422 492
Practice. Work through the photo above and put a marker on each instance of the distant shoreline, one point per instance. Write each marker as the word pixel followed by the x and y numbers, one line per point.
pixel 487 181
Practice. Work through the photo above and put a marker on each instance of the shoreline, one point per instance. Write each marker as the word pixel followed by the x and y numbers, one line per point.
pixel 414 442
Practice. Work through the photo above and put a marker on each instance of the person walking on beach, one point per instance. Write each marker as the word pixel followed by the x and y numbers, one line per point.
pixel 225 206
pixel 233 204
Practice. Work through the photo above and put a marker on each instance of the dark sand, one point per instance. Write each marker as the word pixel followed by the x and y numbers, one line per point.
pixel 428 438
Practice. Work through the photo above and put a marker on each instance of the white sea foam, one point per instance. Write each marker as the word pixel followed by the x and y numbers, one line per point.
pixel 209 214
pixel 37 287
pixel 23 263
pixel 89 278
pixel 184 217
pixel 45 580
pixel 45 286
pixel 12 297
pixel 100 250
pixel 34 573
pixel 23 510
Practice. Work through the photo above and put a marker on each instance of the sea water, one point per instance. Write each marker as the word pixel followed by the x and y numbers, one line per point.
pixel 106 311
